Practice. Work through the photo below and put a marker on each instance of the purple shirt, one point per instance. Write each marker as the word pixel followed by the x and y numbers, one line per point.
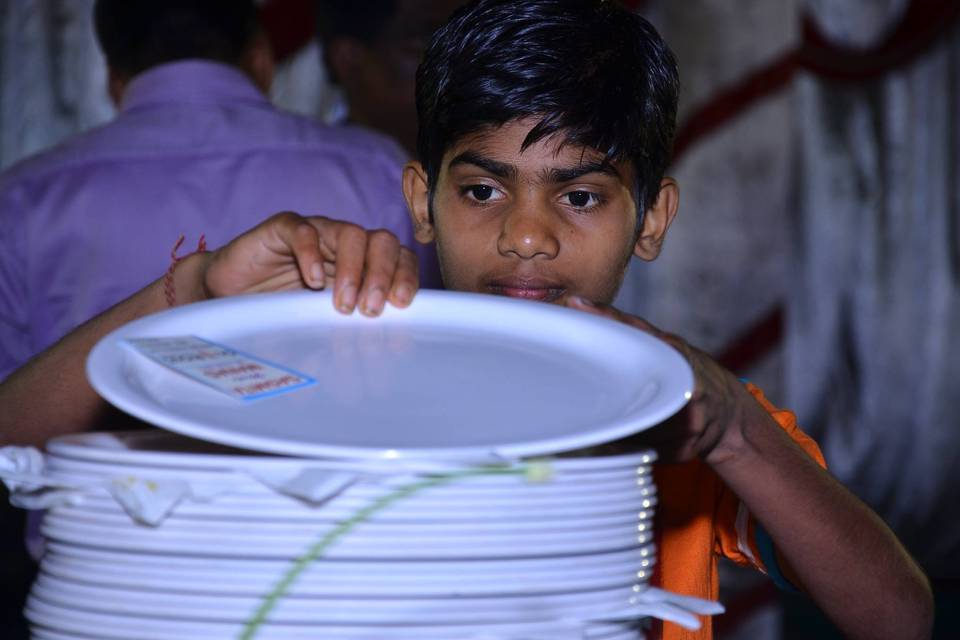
pixel 196 149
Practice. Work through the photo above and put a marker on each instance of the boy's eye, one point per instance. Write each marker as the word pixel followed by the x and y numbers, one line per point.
pixel 482 192
pixel 582 199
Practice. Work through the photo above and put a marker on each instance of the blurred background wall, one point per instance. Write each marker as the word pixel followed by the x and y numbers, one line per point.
pixel 817 251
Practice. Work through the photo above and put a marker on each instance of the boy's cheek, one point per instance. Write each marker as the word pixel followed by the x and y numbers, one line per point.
pixel 465 255
pixel 455 271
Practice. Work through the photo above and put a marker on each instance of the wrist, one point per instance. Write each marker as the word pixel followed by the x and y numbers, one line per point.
pixel 189 278
pixel 733 443
pixel 744 437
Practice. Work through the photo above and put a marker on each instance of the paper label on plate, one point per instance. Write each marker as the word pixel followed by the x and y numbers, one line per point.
pixel 237 374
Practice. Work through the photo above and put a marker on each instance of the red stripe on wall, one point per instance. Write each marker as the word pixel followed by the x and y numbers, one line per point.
pixel 759 339
pixel 923 24
pixel 733 101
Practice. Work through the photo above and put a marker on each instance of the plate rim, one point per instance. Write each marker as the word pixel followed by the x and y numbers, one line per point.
pixel 110 384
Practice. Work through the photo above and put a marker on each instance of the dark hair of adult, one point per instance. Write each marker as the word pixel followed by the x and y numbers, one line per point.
pixel 590 70
pixel 359 19
pixel 362 20
pixel 136 35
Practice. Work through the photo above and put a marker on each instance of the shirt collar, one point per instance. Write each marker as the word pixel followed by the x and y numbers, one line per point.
pixel 190 82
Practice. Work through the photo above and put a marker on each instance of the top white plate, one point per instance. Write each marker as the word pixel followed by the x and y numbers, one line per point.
pixel 159 449
pixel 454 377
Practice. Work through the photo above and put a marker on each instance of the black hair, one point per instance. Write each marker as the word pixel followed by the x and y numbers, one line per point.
pixel 362 20
pixel 136 35
pixel 590 70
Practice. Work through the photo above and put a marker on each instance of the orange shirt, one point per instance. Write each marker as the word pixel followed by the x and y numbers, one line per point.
pixel 699 518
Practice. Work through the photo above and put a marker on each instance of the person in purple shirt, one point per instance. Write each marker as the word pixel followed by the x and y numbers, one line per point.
pixel 196 149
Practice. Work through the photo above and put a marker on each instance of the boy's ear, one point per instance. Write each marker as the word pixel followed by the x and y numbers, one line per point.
pixel 417 194
pixel 657 220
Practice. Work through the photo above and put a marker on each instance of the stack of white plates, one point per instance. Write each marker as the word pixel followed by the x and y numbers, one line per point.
pixel 488 555
pixel 456 381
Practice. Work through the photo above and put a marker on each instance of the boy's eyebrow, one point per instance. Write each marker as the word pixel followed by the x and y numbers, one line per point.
pixel 559 176
pixel 499 169
pixel 554 176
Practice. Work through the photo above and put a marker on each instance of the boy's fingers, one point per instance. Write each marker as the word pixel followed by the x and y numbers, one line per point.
pixel 406 280
pixel 383 253
pixel 578 302
pixel 304 242
pixel 634 321
pixel 607 311
pixel 368 269
pixel 349 244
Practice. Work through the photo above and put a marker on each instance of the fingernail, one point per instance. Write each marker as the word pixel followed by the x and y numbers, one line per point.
pixel 404 294
pixel 583 301
pixel 348 298
pixel 316 274
pixel 374 304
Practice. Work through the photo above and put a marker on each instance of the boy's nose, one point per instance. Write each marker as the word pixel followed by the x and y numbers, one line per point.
pixel 528 234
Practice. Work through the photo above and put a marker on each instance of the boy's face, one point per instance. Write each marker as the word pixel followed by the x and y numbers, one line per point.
pixel 550 221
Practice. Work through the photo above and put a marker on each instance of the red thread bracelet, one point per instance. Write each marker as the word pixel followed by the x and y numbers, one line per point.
pixel 169 289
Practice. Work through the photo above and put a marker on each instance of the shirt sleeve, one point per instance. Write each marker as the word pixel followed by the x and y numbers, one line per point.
pixel 14 304
pixel 739 537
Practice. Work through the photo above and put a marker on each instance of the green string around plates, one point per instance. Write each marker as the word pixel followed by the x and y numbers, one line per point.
pixel 537 471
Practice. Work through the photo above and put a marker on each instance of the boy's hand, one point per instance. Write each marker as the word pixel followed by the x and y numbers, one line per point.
pixel 287 251
pixel 708 423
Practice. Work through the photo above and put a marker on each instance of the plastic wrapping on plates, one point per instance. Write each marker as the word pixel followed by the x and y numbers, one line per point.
pixel 22 471
pixel 312 485
pixel 149 498
pixel 664 605
pixel 148 501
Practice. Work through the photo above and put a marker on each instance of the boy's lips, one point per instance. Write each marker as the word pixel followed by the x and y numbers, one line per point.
pixel 527 288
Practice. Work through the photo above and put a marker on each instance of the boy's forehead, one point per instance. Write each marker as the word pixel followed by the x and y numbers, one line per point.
pixel 504 143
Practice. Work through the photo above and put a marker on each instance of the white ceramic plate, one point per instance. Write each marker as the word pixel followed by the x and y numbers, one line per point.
pixel 577 509
pixel 119 627
pixel 68 470
pixel 629 498
pixel 365 487
pixel 484 633
pixel 554 474
pixel 39 633
pixel 484 610
pixel 531 531
pixel 454 377
pixel 397 572
pixel 156 448
pixel 346 569
pixel 423 515
pixel 317 584
pixel 251 545
pixel 268 521
pixel 448 540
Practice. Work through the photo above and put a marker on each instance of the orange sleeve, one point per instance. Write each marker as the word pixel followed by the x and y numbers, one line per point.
pixel 735 527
